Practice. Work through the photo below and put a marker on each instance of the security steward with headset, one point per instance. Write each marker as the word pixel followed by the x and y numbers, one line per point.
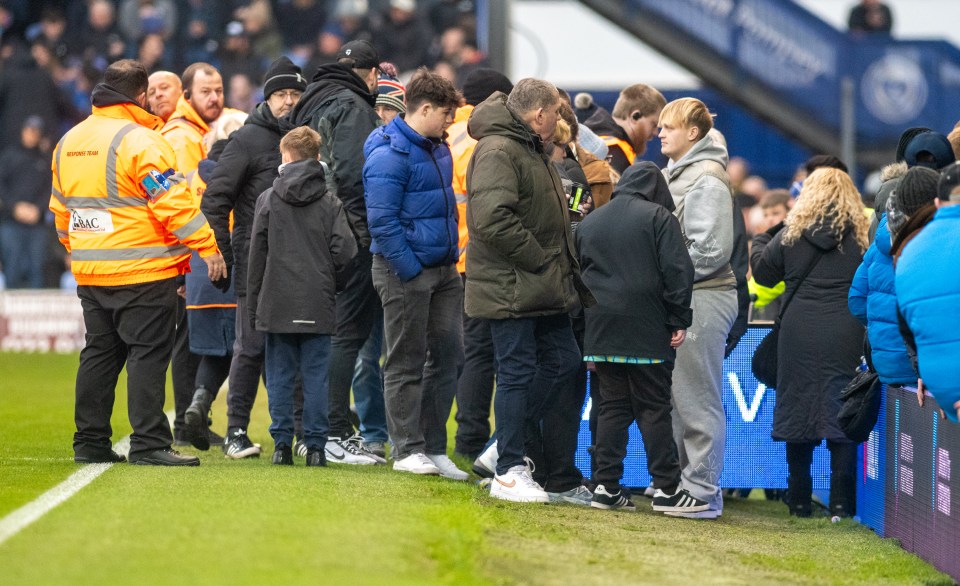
pixel 632 124
pixel 129 222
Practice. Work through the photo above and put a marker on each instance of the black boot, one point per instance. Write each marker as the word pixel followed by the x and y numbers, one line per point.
pixel 195 419
pixel 843 479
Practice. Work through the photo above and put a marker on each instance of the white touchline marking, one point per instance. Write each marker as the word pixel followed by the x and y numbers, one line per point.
pixel 23 517
pixel 46 502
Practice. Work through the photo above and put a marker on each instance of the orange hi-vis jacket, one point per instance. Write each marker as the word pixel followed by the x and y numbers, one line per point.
pixel 118 215
pixel 461 147
pixel 626 147
pixel 184 131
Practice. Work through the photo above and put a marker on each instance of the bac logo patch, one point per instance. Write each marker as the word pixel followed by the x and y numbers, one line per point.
pixel 86 220
pixel 155 184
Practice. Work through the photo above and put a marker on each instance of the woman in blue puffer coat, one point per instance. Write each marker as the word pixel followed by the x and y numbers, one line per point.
pixel 873 301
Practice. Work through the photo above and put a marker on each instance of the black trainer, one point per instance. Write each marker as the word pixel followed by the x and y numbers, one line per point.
pixel 680 501
pixel 604 500
pixel 165 457
pixel 316 458
pixel 98 456
pixel 300 449
pixel 195 419
pixel 237 445
pixel 283 456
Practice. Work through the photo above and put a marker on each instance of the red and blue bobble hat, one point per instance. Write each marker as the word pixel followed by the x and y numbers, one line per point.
pixel 391 93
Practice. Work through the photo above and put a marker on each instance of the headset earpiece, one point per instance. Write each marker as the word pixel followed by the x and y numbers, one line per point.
pixel 186 94
pixel 636 116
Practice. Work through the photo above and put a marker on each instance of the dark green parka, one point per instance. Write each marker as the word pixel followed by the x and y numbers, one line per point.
pixel 521 260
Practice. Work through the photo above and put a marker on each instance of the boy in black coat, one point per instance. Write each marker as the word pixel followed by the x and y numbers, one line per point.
pixel 634 260
pixel 301 239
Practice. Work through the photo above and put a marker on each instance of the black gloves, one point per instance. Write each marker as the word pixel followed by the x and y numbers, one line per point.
pixel 224 283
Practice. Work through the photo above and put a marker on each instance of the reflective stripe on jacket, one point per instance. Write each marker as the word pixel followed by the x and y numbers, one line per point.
pixel 122 221
pixel 461 148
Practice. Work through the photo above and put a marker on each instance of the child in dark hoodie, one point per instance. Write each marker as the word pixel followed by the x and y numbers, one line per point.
pixel 300 240
pixel 634 260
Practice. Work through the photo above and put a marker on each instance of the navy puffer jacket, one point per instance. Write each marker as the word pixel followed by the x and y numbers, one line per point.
pixel 411 209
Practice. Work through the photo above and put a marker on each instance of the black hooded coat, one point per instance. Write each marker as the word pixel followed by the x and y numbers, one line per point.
pixel 634 260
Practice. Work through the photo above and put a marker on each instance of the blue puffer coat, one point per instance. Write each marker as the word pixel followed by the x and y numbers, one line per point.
pixel 928 291
pixel 873 301
pixel 411 209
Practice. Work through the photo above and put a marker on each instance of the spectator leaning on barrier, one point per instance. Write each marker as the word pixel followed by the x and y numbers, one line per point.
pixel 339 105
pixel 246 168
pixel 928 284
pixel 129 230
pixel 820 342
pixel 300 240
pixel 412 216
pixel 522 273
pixel 696 175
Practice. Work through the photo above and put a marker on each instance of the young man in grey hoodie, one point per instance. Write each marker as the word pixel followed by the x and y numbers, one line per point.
pixel 697 177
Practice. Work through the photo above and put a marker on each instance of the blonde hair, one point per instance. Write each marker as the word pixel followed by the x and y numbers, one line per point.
pixel 830 200
pixel 687 112
pixel 562 135
pixel 228 123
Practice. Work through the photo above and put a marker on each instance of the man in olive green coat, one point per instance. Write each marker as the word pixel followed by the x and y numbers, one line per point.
pixel 522 273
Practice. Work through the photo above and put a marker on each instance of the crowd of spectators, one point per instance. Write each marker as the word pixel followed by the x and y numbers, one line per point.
pixel 53 52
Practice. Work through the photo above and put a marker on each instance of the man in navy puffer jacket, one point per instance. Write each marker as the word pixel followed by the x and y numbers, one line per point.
pixel 412 217
pixel 873 301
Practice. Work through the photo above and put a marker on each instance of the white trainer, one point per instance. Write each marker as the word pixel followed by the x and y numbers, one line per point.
pixel 447 468
pixel 416 464
pixel 485 466
pixel 343 452
pixel 518 486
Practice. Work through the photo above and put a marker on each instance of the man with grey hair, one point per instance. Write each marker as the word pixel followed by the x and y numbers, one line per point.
pixel 522 271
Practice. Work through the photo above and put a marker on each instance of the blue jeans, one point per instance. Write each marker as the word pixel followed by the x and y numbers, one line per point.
pixel 537 360
pixel 24 250
pixel 368 387
pixel 285 355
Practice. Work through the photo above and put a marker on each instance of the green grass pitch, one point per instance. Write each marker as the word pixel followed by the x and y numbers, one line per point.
pixel 247 522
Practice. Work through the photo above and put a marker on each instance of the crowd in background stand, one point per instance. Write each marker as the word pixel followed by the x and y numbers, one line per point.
pixel 53 52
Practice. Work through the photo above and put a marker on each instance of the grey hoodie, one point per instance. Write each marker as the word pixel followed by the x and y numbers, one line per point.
pixel 700 188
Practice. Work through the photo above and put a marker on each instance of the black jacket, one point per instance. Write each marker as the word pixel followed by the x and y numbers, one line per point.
pixel 24 177
pixel 339 106
pixel 820 341
pixel 300 240
pixel 247 167
pixel 634 260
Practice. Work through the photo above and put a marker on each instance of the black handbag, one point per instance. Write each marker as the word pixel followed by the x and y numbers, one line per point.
pixel 764 362
pixel 860 404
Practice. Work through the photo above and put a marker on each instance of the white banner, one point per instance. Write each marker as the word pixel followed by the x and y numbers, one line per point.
pixel 40 320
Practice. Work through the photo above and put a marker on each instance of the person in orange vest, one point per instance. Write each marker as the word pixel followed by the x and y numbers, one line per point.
pixel 199 106
pixel 632 124
pixel 163 91
pixel 129 222
pixel 475 386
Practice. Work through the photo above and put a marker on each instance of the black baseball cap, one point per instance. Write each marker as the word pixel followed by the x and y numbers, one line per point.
pixel 363 54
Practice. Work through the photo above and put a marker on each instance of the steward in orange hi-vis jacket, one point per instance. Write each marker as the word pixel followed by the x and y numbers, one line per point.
pixel 128 221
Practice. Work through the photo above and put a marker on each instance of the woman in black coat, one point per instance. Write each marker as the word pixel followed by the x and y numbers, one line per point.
pixel 820 342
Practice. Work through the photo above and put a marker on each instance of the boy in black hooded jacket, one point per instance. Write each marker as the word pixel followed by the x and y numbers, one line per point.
pixel 301 239
pixel 634 260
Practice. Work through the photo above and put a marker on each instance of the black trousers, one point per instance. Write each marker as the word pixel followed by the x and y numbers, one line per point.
pixel 183 366
pixel 358 308
pixel 474 387
pixel 843 479
pixel 130 325
pixel 641 393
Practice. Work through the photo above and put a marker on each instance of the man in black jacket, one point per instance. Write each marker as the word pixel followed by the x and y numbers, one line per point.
pixel 635 262
pixel 339 105
pixel 247 167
